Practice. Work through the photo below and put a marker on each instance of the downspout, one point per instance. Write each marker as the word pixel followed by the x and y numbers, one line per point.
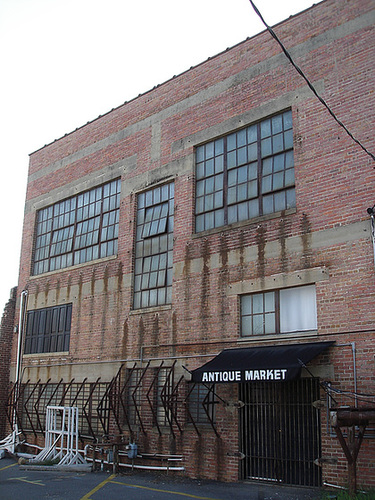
pixel 355 373
pixel 10 442
pixel 21 327
pixel 371 213
pixel 21 331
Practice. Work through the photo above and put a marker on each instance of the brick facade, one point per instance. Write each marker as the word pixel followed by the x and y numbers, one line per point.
pixel 324 240
pixel 6 340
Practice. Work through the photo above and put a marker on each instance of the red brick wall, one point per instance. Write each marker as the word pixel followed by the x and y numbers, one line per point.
pixel 6 340
pixel 330 228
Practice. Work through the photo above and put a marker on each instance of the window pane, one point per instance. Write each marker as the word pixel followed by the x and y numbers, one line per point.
pixel 266 147
pixel 287 119
pixel 277 124
pixel 219 164
pixel 219 218
pixel 268 204
pixel 269 323
pixel 265 128
pixel 232 159
pixel 269 301
pixel 258 325
pixel 258 303
pixel 277 143
pixel 291 198
pixel 246 325
pixel 246 304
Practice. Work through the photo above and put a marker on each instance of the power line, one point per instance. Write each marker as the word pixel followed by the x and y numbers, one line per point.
pixel 299 70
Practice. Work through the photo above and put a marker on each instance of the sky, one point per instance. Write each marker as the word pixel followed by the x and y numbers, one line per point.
pixel 65 62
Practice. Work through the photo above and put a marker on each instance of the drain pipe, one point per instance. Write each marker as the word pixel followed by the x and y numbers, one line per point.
pixel 10 442
pixel 371 213
pixel 355 372
pixel 21 331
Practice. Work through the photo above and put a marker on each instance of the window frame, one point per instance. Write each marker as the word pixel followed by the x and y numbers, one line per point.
pixel 231 173
pixel 78 229
pixel 276 311
pixel 153 256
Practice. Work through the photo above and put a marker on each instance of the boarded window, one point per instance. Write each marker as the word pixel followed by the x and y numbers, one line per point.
pixel 48 329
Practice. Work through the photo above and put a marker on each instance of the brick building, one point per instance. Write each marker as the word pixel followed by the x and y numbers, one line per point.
pixel 199 265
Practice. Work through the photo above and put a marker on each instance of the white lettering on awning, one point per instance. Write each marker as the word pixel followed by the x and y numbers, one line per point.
pixel 228 376
pixel 236 375
pixel 265 374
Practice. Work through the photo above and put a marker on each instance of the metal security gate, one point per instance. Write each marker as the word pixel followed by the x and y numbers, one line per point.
pixel 280 432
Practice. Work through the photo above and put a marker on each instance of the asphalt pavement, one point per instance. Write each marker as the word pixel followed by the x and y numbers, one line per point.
pixel 18 483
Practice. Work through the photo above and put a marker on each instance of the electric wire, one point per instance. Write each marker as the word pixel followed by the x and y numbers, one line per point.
pixel 299 70
pixel 352 395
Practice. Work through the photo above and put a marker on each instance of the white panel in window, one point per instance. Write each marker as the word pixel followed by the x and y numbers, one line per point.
pixel 298 309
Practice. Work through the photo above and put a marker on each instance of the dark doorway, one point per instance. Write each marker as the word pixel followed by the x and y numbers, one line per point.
pixel 280 432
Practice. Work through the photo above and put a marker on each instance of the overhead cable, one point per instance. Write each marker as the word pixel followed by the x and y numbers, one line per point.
pixel 299 70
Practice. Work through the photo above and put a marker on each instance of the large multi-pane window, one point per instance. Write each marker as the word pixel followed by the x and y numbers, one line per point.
pixel 245 174
pixel 48 329
pixel 79 229
pixel 279 311
pixel 154 247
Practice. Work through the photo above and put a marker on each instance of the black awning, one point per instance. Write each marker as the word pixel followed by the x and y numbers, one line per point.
pixel 281 362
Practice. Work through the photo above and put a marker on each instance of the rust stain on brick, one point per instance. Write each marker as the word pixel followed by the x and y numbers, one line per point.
pixel 125 333
pixel 68 287
pixel 93 279
pixel 205 290
pixel 105 311
pixel 306 242
pixel 36 296
pixel 174 332
pixel 241 241
pixel 186 274
pixel 46 291
pixel 223 250
pixel 79 313
pixel 119 276
pixel 223 279
pixel 155 330
pixel 92 302
pixel 58 289
pixel 282 241
pixel 141 332
pixel 261 242
pixel 118 299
